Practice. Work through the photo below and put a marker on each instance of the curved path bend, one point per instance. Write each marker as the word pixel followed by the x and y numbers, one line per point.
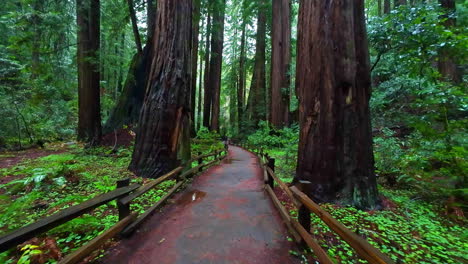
pixel 223 217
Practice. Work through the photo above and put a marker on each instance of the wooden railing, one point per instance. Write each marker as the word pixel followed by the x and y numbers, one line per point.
pixel 124 194
pixel 300 228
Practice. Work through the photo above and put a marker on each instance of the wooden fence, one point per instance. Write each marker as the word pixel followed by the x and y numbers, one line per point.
pixel 124 194
pixel 300 228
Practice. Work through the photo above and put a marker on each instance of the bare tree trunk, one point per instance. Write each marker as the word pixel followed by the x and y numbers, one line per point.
pixel 89 107
pixel 151 19
pixel 379 7
pixel 257 104
pixel 163 138
pixel 280 63
pixel 133 18
pixel 200 91
pixel 241 85
pixel 333 78
pixel 386 6
pixel 193 89
pixel 216 62
pixel 447 66
pixel 207 97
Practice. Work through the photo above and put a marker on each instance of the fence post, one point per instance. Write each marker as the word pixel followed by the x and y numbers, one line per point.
pixel 271 164
pixel 124 209
pixel 200 160
pixel 303 212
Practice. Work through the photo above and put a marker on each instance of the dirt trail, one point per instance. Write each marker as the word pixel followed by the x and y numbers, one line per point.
pixel 10 159
pixel 224 217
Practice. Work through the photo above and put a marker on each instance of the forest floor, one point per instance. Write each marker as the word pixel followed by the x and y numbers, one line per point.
pixel 412 228
pixel 224 216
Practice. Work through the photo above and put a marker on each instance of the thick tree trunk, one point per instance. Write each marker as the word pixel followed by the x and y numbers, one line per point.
pixel 333 79
pixel 163 138
pixel 127 110
pixel 89 106
pixel 447 66
pixel 256 107
pixel 280 63
pixel 207 97
pixel 216 62
pixel 241 82
pixel 193 85
pixel 200 91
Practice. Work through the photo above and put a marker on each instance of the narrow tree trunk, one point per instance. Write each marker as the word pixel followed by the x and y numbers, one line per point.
pixel 151 18
pixel 207 97
pixel 216 62
pixel 193 89
pixel 257 104
pixel 446 64
pixel 280 63
pixel 200 91
pixel 386 6
pixel 163 138
pixel 133 18
pixel 241 84
pixel 89 108
pixel 333 78
pixel 379 7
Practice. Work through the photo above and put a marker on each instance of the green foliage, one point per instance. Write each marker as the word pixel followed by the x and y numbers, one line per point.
pixel 206 141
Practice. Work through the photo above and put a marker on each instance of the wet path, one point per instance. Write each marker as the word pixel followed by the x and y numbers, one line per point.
pixel 224 217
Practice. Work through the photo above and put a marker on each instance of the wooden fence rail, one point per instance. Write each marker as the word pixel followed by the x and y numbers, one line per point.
pixel 300 229
pixel 124 194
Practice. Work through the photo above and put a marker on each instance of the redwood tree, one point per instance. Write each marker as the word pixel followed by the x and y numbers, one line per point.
pixel 89 104
pixel 217 42
pixel 163 137
pixel 447 64
pixel 256 108
pixel 333 81
pixel 280 63
pixel 207 92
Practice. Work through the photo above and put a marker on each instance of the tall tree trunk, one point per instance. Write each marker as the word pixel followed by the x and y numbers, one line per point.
pixel 216 62
pixel 333 79
pixel 163 138
pixel 207 97
pixel 280 63
pixel 386 7
pixel 379 7
pixel 151 19
pixel 127 110
pixel 446 64
pixel 241 83
pixel 256 107
pixel 193 85
pixel 200 91
pixel 133 18
pixel 89 106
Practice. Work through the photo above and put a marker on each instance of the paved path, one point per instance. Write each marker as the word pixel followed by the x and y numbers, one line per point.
pixel 223 217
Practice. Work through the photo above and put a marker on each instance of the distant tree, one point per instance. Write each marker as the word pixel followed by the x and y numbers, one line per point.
pixel 207 101
pixel 447 66
pixel 163 136
pixel 89 105
pixel 333 81
pixel 193 85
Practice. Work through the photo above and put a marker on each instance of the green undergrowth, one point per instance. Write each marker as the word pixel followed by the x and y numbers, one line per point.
pixel 410 230
pixel 37 188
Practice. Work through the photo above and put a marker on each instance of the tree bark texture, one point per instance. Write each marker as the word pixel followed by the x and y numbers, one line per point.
pixel 163 138
pixel 333 80
pixel 280 63
pixel 216 62
pixel 193 85
pixel 89 104
pixel 386 7
pixel 241 82
pixel 207 86
pixel 257 96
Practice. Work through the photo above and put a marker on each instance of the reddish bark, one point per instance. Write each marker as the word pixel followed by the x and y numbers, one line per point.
pixel 333 80
pixel 163 138
pixel 280 63
pixel 207 94
pixel 89 104
pixel 216 62
pixel 241 82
